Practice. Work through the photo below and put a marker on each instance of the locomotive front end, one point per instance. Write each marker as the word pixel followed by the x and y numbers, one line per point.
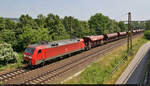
pixel 28 55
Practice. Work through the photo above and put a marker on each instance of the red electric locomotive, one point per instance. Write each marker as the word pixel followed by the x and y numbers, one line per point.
pixel 37 53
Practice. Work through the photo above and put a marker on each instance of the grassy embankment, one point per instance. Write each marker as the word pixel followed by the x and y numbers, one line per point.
pixel 100 71
pixel 13 65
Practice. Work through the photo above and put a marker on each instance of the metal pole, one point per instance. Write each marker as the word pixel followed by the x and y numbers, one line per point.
pixel 70 27
pixel 130 29
pixel 128 47
pixel 131 32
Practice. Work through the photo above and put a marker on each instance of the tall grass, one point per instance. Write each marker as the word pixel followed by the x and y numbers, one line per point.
pixel 100 72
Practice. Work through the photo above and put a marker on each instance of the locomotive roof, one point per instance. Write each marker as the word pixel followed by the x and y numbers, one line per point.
pixel 55 43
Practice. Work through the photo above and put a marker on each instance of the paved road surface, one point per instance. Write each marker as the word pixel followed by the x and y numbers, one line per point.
pixel 138 74
pixel 135 70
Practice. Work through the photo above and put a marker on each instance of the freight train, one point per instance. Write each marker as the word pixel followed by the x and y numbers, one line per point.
pixel 38 53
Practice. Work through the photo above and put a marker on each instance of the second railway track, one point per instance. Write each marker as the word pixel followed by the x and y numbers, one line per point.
pixel 51 75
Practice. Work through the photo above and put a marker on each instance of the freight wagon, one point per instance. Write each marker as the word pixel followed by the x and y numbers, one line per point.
pixel 111 37
pixel 92 41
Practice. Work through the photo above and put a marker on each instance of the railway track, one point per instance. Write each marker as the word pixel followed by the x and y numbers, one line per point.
pixel 56 71
pixel 50 75
pixel 9 75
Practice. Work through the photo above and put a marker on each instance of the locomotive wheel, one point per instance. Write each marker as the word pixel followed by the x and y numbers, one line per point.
pixel 43 63
pixel 30 65
pixel 86 48
pixel 69 54
pixel 89 46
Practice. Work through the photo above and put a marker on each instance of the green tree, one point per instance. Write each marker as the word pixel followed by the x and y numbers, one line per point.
pixel 101 24
pixel 40 20
pixel 85 29
pixel 26 20
pixel 148 25
pixel 142 25
pixel 55 27
pixel 122 26
pixel 9 24
pixel 8 36
pixel 31 36
pixel 79 28
pixel 147 34
pixel 66 23
pixel 112 26
pixel 2 24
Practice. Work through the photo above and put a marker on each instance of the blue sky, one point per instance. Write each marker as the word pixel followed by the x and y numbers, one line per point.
pixel 81 9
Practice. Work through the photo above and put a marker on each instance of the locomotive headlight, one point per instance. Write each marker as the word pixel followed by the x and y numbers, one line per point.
pixel 30 56
pixel 25 55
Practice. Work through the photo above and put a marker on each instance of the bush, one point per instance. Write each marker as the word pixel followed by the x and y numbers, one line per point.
pixel 147 34
pixel 7 54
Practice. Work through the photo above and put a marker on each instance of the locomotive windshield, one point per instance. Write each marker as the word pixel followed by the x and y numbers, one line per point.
pixel 29 50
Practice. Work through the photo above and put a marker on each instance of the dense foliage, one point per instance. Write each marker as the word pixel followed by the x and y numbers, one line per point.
pixel 79 28
pixel 148 25
pixel 102 24
pixel 147 31
pixel 7 54
pixel 52 27
pixel 30 36
pixel 122 26
pixel 147 34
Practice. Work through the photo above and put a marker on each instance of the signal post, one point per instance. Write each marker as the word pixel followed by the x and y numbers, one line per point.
pixel 129 38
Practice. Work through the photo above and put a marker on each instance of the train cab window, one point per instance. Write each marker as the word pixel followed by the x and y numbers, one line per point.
pixel 30 50
pixel 39 51
pixel 55 44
